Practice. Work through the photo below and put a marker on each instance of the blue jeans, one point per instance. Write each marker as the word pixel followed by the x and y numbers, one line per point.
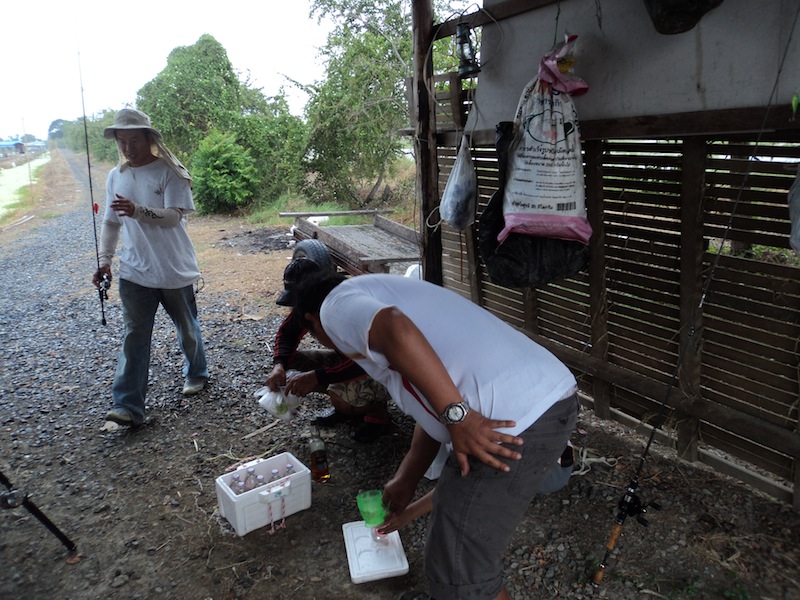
pixel 139 306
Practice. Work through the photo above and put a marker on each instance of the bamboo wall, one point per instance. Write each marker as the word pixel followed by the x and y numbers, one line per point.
pixel 665 327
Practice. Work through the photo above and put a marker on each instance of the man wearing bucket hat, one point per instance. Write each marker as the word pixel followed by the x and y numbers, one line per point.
pixel 352 392
pixel 148 195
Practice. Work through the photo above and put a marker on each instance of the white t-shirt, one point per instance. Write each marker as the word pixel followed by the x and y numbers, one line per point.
pixel 500 372
pixel 153 256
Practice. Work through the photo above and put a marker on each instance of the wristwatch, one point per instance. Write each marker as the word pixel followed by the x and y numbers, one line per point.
pixel 454 413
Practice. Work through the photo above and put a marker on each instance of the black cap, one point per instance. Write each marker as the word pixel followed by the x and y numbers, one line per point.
pixel 294 272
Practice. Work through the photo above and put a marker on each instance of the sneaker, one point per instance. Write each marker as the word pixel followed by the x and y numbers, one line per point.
pixel 193 385
pixel 120 416
pixel 329 418
pixel 372 429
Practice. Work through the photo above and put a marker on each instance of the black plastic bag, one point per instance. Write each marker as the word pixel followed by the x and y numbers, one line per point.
pixel 522 260
pixel 677 16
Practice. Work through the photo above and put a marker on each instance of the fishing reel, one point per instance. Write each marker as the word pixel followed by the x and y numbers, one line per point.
pixel 104 286
pixel 631 505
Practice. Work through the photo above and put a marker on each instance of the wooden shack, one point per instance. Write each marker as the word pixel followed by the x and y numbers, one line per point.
pixel 688 315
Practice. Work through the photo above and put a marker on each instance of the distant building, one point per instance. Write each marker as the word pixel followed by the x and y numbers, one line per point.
pixel 11 147
pixel 36 146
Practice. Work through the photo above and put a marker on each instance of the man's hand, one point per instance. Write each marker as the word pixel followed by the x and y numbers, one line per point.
pixel 397 494
pixel 123 207
pixel 478 436
pixel 97 278
pixel 277 378
pixel 301 384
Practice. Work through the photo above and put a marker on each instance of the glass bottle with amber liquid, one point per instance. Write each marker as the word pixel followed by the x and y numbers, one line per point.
pixel 319 460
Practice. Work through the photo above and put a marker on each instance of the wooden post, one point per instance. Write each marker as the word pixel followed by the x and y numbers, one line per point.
pixel 598 300
pixel 691 288
pixel 424 124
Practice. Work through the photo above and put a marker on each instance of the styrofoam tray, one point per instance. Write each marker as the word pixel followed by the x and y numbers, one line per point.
pixel 370 560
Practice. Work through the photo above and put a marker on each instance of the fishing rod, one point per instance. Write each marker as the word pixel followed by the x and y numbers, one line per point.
pixel 630 505
pixel 105 282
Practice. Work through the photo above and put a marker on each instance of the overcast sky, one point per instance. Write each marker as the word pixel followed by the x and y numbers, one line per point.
pixel 118 47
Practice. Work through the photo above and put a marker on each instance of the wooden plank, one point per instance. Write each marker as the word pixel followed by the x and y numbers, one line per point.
pixel 755 352
pixel 756 430
pixel 397 229
pixel 336 213
pixel 748 396
pixel 741 448
pixel 366 247
pixel 757 328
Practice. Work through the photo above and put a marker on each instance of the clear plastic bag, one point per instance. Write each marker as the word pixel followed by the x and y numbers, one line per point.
pixel 278 404
pixel 460 197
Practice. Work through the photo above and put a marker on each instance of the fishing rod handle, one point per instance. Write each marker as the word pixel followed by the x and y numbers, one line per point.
pixel 611 544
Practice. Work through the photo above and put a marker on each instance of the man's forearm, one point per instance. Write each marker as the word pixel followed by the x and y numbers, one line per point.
pixel 109 236
pixel 162 217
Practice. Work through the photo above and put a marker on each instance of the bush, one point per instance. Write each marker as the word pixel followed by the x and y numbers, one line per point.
pixel 224 174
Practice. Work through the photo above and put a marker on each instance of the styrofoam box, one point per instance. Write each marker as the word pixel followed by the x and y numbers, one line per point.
pixel 369 559
pixel 269 503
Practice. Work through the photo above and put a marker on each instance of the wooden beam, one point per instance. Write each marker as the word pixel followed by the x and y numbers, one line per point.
pixel 498 12
pixel 598 294
pixel 425 137
pixel 705 123
pixel 693 163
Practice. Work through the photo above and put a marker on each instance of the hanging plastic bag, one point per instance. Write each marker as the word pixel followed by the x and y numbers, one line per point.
pixel 460 197
pixel 544 193
pixel 522 260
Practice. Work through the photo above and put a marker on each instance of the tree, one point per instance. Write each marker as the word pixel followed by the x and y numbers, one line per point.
pixel 199 92
pixel 276 140
pixel 196 92
pixel 356 114
pixel 71 135
pixel 224 174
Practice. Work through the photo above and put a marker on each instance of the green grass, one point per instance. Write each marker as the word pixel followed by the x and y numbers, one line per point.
pixel 12 209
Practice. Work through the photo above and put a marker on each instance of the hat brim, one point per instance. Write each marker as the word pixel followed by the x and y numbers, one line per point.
pixel 110 132
pixel 286 298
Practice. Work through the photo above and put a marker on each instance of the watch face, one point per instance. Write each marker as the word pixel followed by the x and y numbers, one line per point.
pixel 455 412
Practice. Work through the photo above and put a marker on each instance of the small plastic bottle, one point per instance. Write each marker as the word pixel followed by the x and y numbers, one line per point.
pixel 240 488
pixel 319 460
pixel 275 475
pixel 250 480
pixel 235 480
pixel 260 481
pixel 289 469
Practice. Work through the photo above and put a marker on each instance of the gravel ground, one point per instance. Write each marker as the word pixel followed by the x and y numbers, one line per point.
pixel 142 508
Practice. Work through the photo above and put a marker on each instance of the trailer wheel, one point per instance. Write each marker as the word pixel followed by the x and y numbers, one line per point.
pixel 314 250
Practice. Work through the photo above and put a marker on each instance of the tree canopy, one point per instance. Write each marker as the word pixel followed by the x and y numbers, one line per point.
pixel 196 92
pixel 350 136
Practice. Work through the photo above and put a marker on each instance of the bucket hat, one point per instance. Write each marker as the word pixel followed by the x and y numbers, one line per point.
pixel 130 118
pixel 292 274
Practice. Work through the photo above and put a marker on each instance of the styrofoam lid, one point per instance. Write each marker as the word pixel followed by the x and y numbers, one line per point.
pixel 369 559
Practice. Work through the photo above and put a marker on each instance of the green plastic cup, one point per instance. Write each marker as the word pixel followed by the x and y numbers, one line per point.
pixel 370 505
